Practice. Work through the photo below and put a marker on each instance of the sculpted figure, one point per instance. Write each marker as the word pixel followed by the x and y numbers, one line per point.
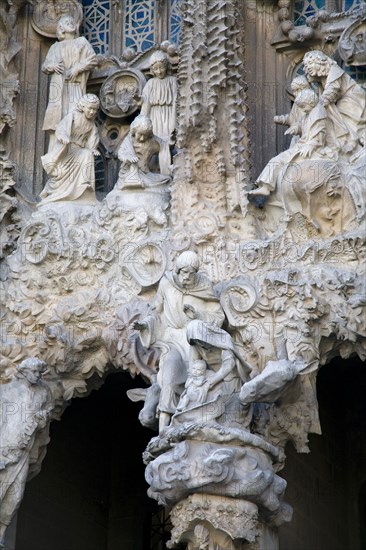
pixel 26 407
pixel 136 153
pixel 312 130
pixel 343 98
pixel 70 163
pixel 159 98
pixel 294 117
pixel 69 63
pixel 183 295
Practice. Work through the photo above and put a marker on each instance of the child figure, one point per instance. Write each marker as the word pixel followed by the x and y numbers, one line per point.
pixel 196 386
pixel 136 152
pixel 312 130
pixel 293 118
pixel 159 98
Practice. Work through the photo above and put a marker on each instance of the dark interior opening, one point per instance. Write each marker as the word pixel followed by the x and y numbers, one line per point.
pixel 91 492
pixel 327 487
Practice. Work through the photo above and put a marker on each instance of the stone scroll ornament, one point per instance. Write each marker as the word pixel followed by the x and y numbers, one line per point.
pixel 308 186
pixel 68 62
pixel 70 162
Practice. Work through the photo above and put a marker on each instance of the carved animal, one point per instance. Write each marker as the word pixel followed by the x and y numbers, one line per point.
pixel 150 396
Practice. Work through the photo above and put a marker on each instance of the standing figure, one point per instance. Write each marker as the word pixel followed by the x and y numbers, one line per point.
pixel 159 98
pixel 69 63
pixel 26 410
pixel 70 163
pixel 183 295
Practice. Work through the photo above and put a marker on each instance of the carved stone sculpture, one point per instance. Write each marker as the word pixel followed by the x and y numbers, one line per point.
pixel 69 63
pixel 26 404
pixel 352 42
pixel 159 98
pixel 136 153
pixel 183 295
pixel 70 163
pixel 121 92
pixel 344 99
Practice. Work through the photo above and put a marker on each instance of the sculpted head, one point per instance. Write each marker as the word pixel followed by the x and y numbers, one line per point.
pixel 89 105
pixel 298 84
pixel 66 25
pixel 141 128
pixel 31 369
pixel 186 267
pixel 306 100
pixel 197 368
pixel 317 63
pixel 159 64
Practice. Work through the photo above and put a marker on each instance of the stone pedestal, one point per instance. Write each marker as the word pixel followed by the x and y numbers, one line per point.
pixel 208 522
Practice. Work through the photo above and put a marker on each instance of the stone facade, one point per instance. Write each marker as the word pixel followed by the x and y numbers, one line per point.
pixel 218 259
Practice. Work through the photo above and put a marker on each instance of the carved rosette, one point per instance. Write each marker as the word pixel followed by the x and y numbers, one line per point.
pixel 46 14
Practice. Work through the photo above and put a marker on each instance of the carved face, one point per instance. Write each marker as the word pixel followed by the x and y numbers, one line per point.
pixel 140 135
pixel 187 276
pixel 90 111
pixel 197 368
pixel 159 69
pixel 32 375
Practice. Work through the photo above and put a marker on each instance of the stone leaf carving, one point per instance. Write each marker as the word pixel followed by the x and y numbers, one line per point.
pixel 225 519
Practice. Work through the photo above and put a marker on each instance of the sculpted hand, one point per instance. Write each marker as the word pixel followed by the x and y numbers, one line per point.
pixel 324 101
pixel 72 74
pixel 57 68
pixel 291 131
pixel 306 151
pixel 63 139
pixel 278 119
pixel 139 325
pixel 190 311
pixel 96 153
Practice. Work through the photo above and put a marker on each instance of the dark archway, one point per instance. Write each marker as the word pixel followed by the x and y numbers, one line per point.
pixel 91 492
pixel 324 486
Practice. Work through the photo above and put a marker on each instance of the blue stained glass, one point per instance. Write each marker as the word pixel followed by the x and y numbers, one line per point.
pixel 350 4
pixel 140 24
pixel 306 8
pixel 95 27
pixel 175 21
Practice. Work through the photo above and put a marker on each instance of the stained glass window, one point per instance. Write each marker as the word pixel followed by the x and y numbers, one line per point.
pixel 306 8
pixel 175 21
pixel 358 73
pixel 350 4
pixel 140 24
pixel 96 23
